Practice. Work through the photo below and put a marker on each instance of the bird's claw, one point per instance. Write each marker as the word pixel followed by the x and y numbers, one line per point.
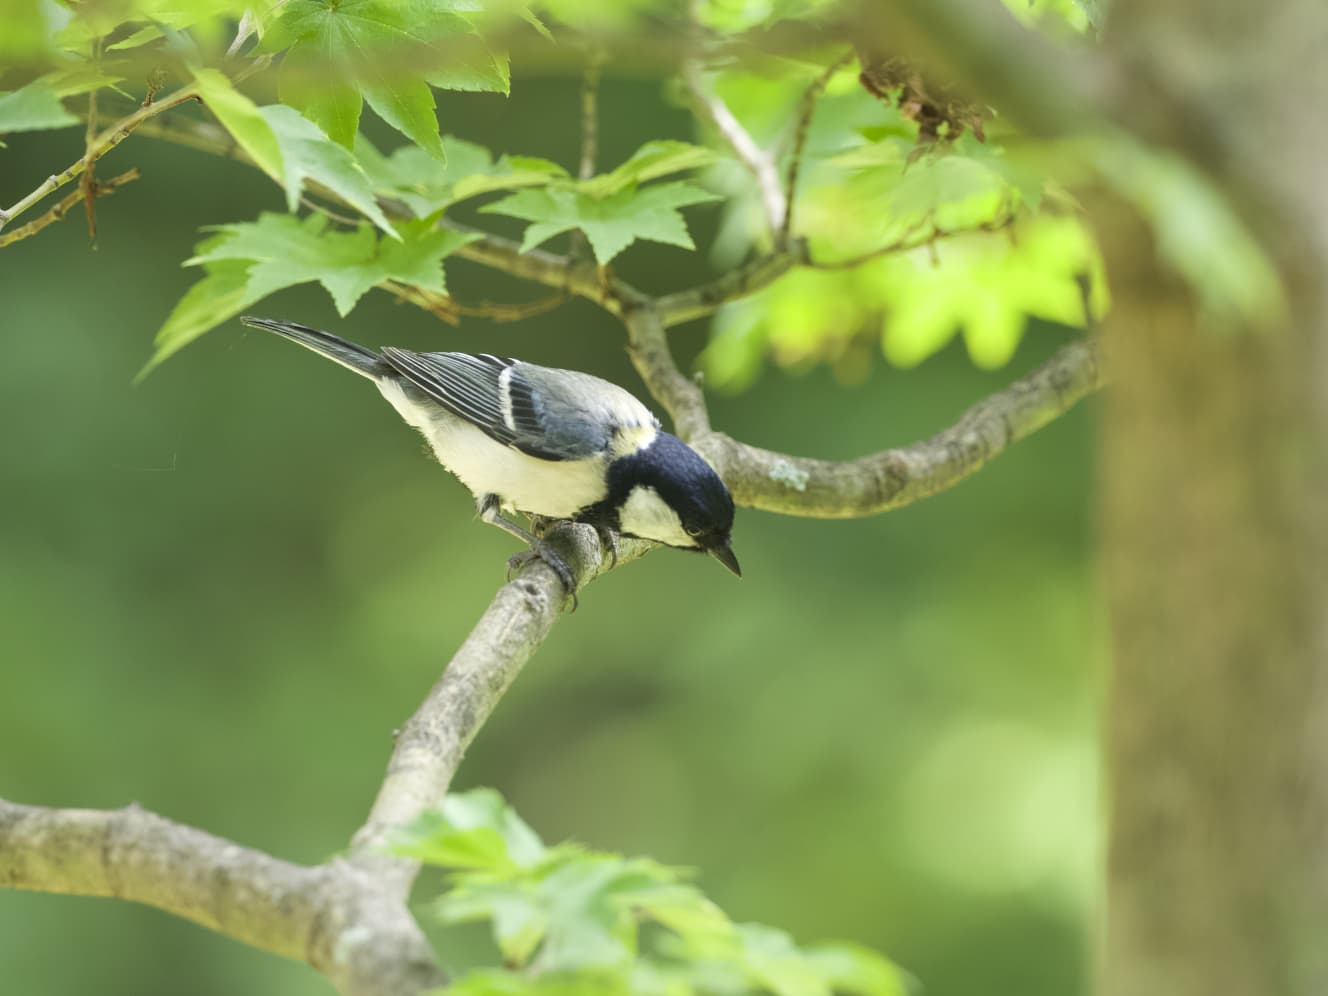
pixel 542 551
pixel 608 540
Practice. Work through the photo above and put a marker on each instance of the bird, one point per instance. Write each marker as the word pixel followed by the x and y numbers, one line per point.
pixel 551 444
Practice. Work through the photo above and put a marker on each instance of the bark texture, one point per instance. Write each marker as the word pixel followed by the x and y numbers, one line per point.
pixel 1216 530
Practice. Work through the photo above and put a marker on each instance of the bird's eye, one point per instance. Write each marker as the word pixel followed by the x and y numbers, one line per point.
pixel 693 531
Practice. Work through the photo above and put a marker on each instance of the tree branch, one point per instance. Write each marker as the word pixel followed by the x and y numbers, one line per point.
pixel 888 480
pixel 100 188
pixel 430 746
pixel 334 916
pixel 755 159
pixel 803 126
pixel 97 148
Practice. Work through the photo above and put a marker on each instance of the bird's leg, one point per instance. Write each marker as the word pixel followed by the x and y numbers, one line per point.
pixel 491 512
pixel 540 524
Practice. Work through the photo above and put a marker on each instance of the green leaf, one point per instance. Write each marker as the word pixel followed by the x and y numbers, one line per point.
pixel 320 93
pixel 221 295
pixel 308 154
pixel 854 970
pixel 989 288
pixel 386 53
pixel 245 262
pixel 475 829
pixel 286 251
pixel 611 223
pixel 413 176
pixel 34 107
pixel 774 962
pixel 242 119
pixel 496 982
pixel 650 162
pixel 569 922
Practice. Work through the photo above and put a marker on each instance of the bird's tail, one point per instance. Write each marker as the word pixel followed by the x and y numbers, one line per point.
pixel 353 357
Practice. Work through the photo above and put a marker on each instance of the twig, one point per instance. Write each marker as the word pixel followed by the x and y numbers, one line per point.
pixel 735 136
pixel 327 212
pixel 88 183
pixel 907 243
pixel 698 302
pixel 247 26
pixel 101 145
pixel 803 126
pixel 440 306
pixel 590 113
pixel 501 312
pixel 102 188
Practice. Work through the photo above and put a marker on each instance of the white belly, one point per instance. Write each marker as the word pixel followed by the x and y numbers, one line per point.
pixel 557 489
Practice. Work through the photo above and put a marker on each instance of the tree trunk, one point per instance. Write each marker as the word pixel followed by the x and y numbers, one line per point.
pixel 1216 533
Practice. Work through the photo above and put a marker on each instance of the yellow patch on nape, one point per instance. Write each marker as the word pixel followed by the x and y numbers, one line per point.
pixel 633 439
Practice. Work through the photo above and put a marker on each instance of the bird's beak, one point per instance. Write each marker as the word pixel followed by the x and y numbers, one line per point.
pixel 724 554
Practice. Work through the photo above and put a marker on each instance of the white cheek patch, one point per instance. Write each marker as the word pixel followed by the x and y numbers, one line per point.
pixel 647 515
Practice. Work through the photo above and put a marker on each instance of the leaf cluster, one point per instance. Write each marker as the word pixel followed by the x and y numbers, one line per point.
pixel 566 919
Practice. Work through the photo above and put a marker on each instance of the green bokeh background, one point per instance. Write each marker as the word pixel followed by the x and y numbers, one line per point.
pixel 220 592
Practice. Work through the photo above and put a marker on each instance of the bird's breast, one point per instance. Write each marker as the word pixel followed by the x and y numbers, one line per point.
pixel 554 488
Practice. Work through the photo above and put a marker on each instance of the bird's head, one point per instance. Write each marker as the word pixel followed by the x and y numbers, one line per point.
pixel 670 495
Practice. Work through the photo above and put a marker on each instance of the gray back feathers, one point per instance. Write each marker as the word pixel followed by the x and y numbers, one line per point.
pixel 544 412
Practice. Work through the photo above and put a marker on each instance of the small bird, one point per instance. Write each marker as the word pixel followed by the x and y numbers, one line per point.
pixel 554 444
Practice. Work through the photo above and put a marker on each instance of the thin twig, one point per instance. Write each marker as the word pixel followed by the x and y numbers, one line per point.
pixel 906 242
pixel 735 136
pixel 247 26
pixel 803 126
pixel 327 212
pixel 759 273
pixel 87 185
pixel 590 113
pixel 101 145
pixel 102 188
pixel 502 312
pixel 440 306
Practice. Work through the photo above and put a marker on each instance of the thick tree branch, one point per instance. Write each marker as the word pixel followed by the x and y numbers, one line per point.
pixel 334 916
pixel 648 347
pixel 888 480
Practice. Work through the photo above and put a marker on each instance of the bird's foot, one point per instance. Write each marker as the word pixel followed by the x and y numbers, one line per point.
pixel 540 550
pixel 540 524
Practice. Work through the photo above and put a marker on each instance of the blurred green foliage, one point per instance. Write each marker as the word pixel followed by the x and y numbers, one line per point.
pixel 569 919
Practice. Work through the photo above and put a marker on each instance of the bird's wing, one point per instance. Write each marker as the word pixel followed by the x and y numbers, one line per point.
pixel 545 413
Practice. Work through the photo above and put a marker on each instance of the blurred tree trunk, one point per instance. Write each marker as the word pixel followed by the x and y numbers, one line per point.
pixel 1216 532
